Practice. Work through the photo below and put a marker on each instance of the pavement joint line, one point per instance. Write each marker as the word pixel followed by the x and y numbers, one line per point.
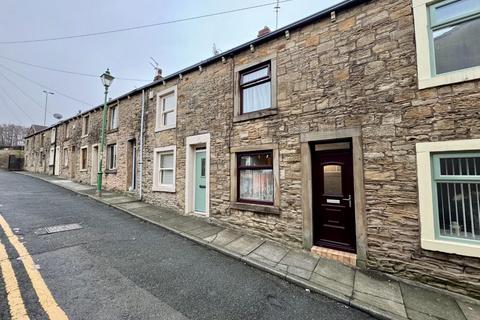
pixel 305 283
pixel 44 295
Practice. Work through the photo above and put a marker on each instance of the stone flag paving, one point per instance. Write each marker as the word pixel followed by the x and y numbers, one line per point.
pixel 381 296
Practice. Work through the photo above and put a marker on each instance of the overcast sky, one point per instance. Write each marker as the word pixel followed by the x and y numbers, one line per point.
pixel 127 54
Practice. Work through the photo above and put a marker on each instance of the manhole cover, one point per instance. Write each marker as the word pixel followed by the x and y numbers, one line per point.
pixel 61 228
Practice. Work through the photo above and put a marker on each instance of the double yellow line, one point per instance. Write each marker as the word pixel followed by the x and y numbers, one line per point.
pixel 14 297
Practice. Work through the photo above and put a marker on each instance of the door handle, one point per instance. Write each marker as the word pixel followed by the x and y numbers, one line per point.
pixel 201 187
pixel 349 199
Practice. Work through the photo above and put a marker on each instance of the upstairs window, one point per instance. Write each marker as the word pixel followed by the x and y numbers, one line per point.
pixel 85 125
pixel 455 26
pixel 53 134
pixel 166 109
pixel 446 32
pixel 113 118
pixel 66 133
pixel 255 88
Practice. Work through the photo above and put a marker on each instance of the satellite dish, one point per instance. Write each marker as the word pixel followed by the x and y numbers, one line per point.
pixel 57 116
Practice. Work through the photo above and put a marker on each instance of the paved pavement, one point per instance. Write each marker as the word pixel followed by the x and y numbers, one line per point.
pixel 117 266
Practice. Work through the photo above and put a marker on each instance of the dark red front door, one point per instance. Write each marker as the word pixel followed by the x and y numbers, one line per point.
pixel 333 198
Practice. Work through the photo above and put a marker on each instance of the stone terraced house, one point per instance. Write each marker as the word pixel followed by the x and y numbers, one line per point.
pixel 353 133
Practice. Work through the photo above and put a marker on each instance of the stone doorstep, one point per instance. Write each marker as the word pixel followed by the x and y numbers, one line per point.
pixel 347 258
pixel 328 277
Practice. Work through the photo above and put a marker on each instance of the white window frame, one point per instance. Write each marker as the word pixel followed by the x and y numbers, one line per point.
pixel 159 126
pixel 110 118
pixel 109 155
pixel 429 240
pixel 426 79
pixel 67 131
pixel 51 156
pixel 52 135
pixel 81 159
pixel 65 157
pixel 157 186
pixel 85 126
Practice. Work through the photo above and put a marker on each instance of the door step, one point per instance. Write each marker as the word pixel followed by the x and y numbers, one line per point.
pixel 347 258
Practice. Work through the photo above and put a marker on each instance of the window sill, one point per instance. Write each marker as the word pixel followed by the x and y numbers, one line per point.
pixel 449 78
pixel 170 189
pixel 164 128
pixel 254 115
pixel 255 208
pixel 83 170
pixel 463 249
pixel 111 171
pixel 112 130
pixel 85 136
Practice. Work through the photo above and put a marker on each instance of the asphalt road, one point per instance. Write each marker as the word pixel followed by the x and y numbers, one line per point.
pixel 118 267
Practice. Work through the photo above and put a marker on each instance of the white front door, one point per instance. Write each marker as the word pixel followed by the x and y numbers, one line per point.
pixel 94 173
pixel 56 169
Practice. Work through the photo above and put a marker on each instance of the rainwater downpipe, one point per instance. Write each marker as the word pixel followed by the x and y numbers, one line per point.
pixel 140 163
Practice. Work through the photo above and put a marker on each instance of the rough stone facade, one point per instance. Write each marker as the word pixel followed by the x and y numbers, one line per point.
pixel 128 130
pixel 358 71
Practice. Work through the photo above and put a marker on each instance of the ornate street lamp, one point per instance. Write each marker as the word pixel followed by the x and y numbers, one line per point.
pixel 107 80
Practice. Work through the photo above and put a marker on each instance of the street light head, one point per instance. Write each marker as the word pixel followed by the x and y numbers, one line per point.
pixel 107 78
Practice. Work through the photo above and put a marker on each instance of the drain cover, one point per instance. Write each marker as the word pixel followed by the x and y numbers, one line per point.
pixel 62 228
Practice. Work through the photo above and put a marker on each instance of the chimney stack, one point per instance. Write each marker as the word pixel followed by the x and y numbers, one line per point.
pixel 263 32
pixel 158 76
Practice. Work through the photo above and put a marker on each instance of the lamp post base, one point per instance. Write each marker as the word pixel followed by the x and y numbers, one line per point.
pixel 99 183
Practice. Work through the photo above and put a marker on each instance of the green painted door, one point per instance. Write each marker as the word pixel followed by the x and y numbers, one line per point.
pixel 200 181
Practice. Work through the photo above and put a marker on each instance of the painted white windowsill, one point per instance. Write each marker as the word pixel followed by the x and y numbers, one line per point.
pixel 449 78
pixel 165 128
pixel 164 188
pixel 464 249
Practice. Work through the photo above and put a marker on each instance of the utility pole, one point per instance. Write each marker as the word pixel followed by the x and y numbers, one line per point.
pixel 46 103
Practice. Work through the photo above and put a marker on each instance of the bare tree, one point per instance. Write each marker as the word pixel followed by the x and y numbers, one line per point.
pixel 11 135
